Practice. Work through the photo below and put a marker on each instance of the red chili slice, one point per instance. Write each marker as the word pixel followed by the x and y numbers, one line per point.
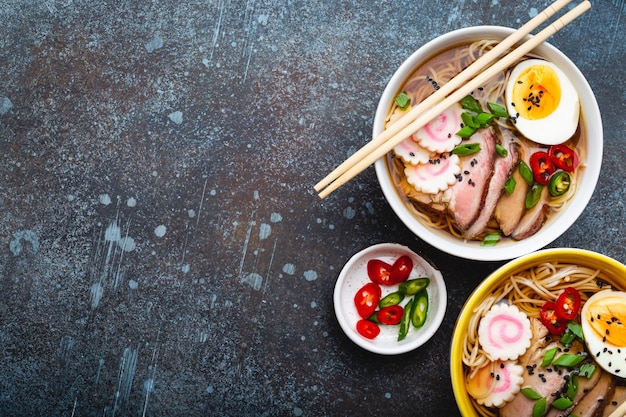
pixel 367 329
pixel 567 305
pixel 366 299
pixel 379 272
pixel 390 314
pixel 401 269
pixel 563 157
pixel 542 167
pixel 549 318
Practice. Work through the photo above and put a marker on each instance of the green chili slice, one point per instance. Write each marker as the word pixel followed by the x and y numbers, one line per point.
pixel 413 286
pixel 405 323
pixel 419 310
pixel 466 149
pixel 403 100
pixel 391 299
pixel 559 183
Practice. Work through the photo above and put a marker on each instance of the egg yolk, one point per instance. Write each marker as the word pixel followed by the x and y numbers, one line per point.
pixel 536 92
pixel 607 317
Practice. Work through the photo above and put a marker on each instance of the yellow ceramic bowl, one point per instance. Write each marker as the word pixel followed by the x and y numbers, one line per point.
pixel 615 273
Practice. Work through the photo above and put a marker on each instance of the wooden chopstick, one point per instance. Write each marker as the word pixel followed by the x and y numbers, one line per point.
pixel 445 89
pixel 619 411
pixel 412 121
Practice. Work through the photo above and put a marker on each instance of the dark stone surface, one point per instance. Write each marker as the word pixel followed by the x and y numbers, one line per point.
pixel 163 252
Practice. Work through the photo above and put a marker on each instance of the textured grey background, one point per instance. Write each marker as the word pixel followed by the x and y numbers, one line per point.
pixel 162 251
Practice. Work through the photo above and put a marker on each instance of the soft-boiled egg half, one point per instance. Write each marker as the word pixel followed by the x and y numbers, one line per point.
pixel 542 102
pixel 603 320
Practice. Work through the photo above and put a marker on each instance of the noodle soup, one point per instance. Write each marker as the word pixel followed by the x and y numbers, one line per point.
pixel 528 283
pixel 508 216
pixel 470 210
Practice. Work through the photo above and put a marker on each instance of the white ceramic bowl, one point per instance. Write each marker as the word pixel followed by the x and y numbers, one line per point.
pixel 353 276
pixel 557 224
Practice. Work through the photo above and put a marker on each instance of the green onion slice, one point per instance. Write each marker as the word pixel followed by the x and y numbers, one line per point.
pixel 470 103
pixel 509 185
pixel 466 149
pixel 530 393
pixel 526 172
pixel 562 403
pixel 549 357
pixel 498 110
pixel 403 100
pixel 568 360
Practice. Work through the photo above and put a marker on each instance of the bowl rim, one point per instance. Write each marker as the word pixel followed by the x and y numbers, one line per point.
pixel 424 334
pixel 555 226
pixel 582 256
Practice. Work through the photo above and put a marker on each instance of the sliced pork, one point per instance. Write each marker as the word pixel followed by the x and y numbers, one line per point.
pixel 510 208
pixel 617 398
pixel 467 197
pixel 534 218
pixel 501 172
pixel 593 402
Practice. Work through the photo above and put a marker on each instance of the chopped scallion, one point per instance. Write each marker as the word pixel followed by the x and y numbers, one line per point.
pixel 468 120
pixel 587 370
pixel 533 196
pixel 471 104
pixel 465 132
pixel 509 185
pixel 530 393
pixel 562 403
pixel 568 360
pixel 498 110
pixel 490 239
pixel 526 172
pixel 501 150
pixel 466 149
pixel 484 119
pixel 539 409
pixel 548 357
pixel 403 101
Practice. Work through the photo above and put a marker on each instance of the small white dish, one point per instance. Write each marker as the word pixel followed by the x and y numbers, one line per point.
pixel 353 276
